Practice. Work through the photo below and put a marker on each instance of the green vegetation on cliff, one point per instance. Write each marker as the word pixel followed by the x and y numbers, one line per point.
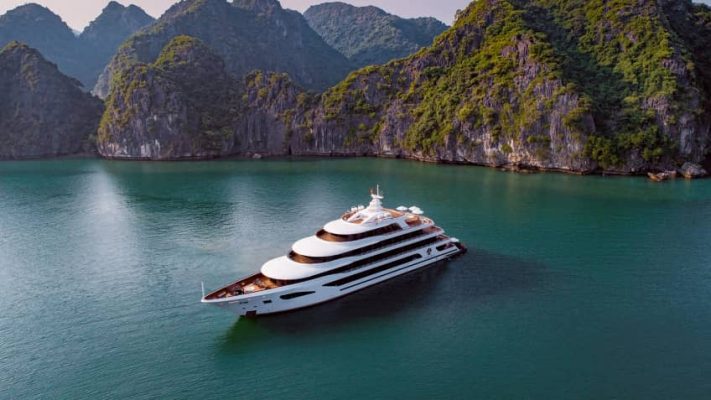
pixel 480 85
pixel 617 78
pixel 488 81
pixel 631 66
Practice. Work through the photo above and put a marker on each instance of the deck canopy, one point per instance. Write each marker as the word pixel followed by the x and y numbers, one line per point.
pixel 363 219
pixel 312 246
pixel 284 269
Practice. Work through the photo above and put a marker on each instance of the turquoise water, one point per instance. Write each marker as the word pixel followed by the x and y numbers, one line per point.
pixel 577 287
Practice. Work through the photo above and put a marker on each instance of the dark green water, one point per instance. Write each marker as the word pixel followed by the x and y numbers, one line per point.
pixel 576 288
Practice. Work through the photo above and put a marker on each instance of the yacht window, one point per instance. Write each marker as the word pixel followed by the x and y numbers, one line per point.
pixel 374 271
pixel 444 246
pixel 295 295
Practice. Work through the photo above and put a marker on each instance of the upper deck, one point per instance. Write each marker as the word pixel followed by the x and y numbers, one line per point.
pixel 326 244
pixel 358 217
pixel 296 266
pixel 359 220
pixel 360 227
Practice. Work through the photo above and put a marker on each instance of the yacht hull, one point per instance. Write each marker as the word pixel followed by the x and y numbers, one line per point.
pixel 329 288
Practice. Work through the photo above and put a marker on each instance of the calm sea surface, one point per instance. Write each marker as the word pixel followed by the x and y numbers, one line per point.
pixel 576 288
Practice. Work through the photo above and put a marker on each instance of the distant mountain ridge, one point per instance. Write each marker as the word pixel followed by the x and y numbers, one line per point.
pixel 80 56
pixel 247 34
pixel 40 28
pixel 104 35
pixel 369 35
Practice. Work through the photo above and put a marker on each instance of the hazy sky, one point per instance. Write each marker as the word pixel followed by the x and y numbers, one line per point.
pixel 78 13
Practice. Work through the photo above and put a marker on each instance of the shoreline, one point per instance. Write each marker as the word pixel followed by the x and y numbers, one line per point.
pixel 520 169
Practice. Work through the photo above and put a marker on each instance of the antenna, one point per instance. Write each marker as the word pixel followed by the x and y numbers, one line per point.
pixel 376 194
pixel 202 285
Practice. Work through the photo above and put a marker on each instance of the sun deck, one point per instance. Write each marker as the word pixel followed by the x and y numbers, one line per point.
pixel 415 220
pixel 253 284
pixel 387 214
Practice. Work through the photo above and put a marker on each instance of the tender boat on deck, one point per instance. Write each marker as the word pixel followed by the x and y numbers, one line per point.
pixel 366 246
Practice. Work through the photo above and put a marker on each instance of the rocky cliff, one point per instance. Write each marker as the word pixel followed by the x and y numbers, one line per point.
pixel 247 34
pixel 486 92
pixel 569 85
pixel 184 105
pixel 42 112
pixel 82 57
pixel 563 85
pixel 369 35
pixel 636 73
pixel 692 23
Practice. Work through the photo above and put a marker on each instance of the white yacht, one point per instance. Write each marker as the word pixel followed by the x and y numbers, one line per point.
pixel 366 246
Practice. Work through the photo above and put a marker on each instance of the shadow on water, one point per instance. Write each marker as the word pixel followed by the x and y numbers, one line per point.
pixel 461 285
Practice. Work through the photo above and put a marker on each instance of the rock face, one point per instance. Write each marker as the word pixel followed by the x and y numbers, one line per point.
pixel 247 34
pixel 182 106
pixel 273 113
pixel 82 57
pixel 369 35
pixel 692 23
pixel 692 171
pixel 577 86
pixel 42 112
pixel 484 93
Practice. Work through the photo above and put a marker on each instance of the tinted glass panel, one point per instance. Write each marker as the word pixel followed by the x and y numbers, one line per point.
pixel 295 295
pixel 373 271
